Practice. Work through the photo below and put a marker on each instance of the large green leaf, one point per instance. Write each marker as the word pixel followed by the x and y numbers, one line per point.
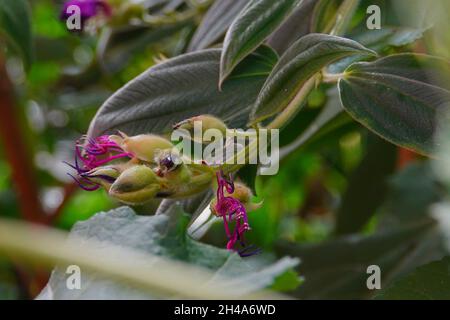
pixel 338 269
pixel 15 24
pixel 381 40
pixel 302 60
pixel 428 282
pixel 183 87
pixel 253 25
pixel 215 23
pixel 165 236
pixel 398 97
pixel 295 27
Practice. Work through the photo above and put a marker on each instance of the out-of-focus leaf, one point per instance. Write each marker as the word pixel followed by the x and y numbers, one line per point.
pixel 410 195
pixel 15 24
pixel 329 119
pixel 117 46
pixel 215 23
pixel 178 89
pixel 162 235
pixel 338 269
pixel 288 281
pixel 295 27
pixel 428 282
pixel 248 175
pixel 302 60
pixel 379 41
pixel 253 25
pixel 367 187
pixel 398 97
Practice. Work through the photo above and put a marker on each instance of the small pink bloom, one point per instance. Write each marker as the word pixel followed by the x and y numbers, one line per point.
pixel 231 209
pixel 91 154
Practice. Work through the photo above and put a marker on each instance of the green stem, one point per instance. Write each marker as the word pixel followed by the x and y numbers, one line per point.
pixel 344 16
pixel 331 77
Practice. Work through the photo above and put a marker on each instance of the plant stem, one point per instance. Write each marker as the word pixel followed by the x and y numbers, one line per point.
pixel 17 153
pixel 343 16
pixel 331 77
pixel 294 106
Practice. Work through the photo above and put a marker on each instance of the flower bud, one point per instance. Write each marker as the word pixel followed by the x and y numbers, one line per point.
pixel 243 194
pixel 144 146
pixel 207 121
pixel 104 176
pixel 136 185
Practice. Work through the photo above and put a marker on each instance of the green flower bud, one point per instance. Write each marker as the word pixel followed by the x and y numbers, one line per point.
pixel 242 193
pixel 144 147
pixel 104 176
pixel 136 185
pixel 208 122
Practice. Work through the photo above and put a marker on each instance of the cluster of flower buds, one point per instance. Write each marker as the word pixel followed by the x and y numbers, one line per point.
pixel 137 169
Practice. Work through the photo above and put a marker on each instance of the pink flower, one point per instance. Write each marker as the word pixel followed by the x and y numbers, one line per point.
pixel 88 9
pixel 231 209
pixel 91 154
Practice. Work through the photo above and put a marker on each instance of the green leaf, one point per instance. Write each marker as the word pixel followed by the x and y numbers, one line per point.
pixel 367 187
pixel 253 25
pixel 428 282
pixel 165 236
pixel 303 60
pixel 180 88
pixel 215 23
pixel 400 206
pixel 386 37
pixel 295 27
pixel 399 98
pixel 248 175
pixel 337 269
pixel 15 24
pixel 286 282
pixel 118 45
pixel 330 118
pixel 380 41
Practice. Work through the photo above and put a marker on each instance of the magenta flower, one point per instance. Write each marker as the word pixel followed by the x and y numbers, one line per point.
pixel 231 209
pixel 91 154
pixel 88 9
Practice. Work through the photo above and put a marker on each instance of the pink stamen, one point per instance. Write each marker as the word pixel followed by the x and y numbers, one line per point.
pixel 93 153
pixel 234 210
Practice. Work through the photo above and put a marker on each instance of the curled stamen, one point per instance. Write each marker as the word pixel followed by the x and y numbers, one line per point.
pixel 231 209
pixel 91 154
